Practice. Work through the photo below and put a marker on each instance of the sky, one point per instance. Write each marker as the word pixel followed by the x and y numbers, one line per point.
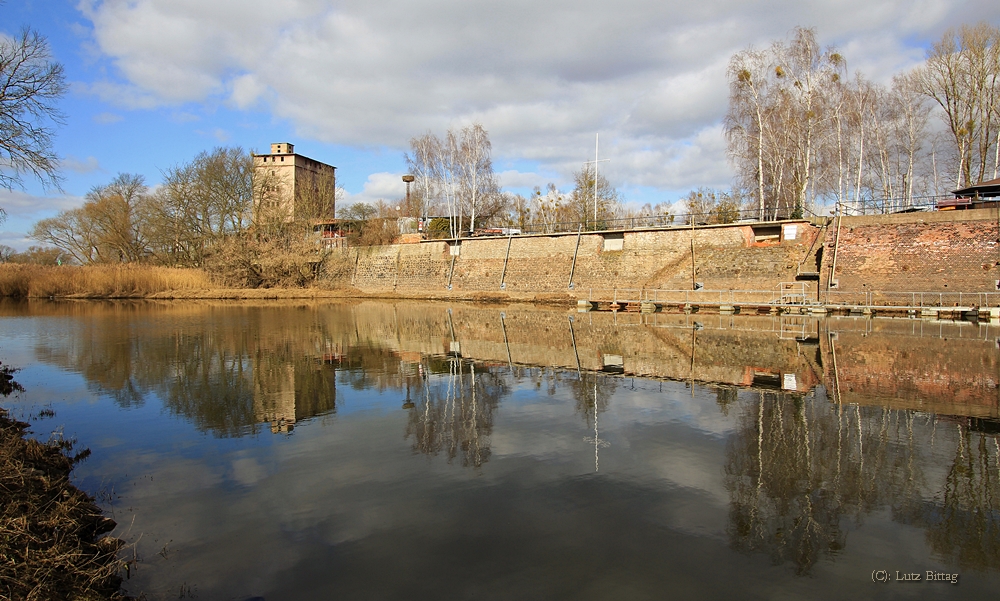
pixel 154 82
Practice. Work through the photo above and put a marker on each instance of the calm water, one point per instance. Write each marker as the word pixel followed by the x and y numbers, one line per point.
pixel 431 451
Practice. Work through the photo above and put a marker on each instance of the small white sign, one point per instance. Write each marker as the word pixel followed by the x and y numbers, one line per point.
pixel 791 231
pixel 788 382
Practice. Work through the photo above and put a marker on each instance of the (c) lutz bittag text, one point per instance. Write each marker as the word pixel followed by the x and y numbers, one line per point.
pixel 900 576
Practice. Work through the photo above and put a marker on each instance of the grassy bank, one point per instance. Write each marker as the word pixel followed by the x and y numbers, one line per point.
pixel 164 283
pixel 112 281
pixel 51 544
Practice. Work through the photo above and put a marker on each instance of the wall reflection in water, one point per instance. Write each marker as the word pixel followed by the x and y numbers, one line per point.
pixel 834 419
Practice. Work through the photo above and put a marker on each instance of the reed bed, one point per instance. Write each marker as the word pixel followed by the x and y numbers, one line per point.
pixel 99 281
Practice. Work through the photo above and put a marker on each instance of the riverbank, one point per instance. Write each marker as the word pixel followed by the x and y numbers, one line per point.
pixel 51 543
pixel 164 283
pixel 857 261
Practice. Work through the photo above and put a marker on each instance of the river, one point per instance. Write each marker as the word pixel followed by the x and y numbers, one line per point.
pixel 408 450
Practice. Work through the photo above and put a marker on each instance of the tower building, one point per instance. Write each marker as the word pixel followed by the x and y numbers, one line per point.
pixel 293 187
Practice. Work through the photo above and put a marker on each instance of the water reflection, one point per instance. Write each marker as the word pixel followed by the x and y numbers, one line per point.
pixel 964 525
pixel 232 367
pixel 798 466
pixel 454 414
pixel 833 422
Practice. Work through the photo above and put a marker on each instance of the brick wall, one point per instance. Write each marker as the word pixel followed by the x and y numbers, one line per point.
pixel 900 368
pixel 954 251
pixel 662 345
pixel 951 368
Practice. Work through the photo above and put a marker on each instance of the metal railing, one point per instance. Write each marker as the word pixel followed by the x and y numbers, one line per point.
pixel 795 293
pixel 654 221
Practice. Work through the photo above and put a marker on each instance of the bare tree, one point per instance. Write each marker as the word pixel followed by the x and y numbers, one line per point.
pixel 73 232
pixel 802 131
pixel 458 172
pixel 480 189
pixel 780 120
pixel 200 203
pixel 962 75
pixel 30 84
pixel 111 226
pixel 589 193
pixel 745 119
pixel 424 163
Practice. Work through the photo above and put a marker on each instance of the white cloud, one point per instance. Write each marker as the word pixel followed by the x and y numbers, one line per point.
pixel 385 186
pixel 541 77
pixel 246 91
pixel 218 134
pixel 87 165
pixel 22 204
pixel 517 179
pixel 23 210
pixel 106 118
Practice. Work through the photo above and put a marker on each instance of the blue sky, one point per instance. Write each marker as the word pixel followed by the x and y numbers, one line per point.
pixel 154 82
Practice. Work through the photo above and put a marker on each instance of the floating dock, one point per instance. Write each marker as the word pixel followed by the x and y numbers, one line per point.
pixel 788 299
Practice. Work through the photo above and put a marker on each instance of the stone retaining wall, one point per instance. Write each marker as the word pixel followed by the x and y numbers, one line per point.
pixel 725 258
pixel 954 251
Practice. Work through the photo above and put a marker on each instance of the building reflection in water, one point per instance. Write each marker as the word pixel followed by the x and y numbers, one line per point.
pixel 834 419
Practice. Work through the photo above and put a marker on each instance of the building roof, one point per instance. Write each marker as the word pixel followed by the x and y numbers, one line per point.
pixel 986 189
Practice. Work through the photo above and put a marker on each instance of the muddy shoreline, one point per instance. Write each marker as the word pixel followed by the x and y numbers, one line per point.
pixel 53 542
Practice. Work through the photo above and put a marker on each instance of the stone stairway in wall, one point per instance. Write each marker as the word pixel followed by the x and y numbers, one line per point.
pixel 811 263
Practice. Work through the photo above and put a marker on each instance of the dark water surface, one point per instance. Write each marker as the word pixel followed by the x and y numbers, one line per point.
pixel 408 450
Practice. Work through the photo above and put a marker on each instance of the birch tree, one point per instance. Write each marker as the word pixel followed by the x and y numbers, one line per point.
pixel 962 76
pixel 744 122
pixel 457 171
pixel 777 120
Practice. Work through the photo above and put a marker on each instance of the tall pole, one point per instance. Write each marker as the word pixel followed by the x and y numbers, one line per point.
pixel 597 142
pixel 596 160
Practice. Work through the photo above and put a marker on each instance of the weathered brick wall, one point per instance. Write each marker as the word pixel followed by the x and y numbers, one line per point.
pixel 375 267
pixel 954 251
pixel 951 369
pixel 725 258
pixel 940 252
pixel 899 368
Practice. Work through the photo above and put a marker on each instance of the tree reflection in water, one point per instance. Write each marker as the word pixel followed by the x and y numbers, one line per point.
pixel 798 465
pixel 246 369
pixel 965 526
pixel 454 411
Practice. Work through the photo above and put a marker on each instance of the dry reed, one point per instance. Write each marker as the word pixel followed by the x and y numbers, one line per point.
pixel 51 544
pixel 99 281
